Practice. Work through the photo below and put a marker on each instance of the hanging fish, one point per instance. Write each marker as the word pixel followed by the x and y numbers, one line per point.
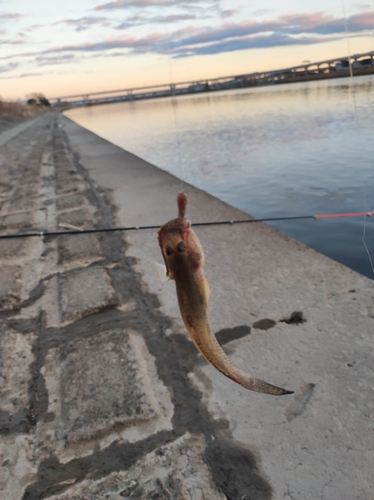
pixel 184 260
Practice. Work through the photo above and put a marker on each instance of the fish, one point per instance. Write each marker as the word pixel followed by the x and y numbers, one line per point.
pixel 184 260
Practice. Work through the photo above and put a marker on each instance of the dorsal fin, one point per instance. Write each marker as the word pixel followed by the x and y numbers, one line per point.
pixel 182 204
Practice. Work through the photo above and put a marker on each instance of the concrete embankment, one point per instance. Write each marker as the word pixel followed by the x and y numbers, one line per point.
pixel 103 395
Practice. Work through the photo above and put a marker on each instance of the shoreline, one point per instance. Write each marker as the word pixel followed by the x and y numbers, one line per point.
pixel 114 395
pixel 64 106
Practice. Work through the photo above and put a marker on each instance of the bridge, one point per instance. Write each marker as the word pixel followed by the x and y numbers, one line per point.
pixel 359 64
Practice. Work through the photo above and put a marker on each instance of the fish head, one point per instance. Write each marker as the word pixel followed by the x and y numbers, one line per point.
pixel 180 247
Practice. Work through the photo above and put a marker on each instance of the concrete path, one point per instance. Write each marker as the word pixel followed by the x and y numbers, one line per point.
pixel 102 394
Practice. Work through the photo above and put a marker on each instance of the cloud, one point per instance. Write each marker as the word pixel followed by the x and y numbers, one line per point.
pixel 322 24
pixel 26 75
pixel 123 4
pixel 290 29
pixel 84 23
pixel 290 24
pixel 261 12
pixel 22 75
pixel 10 15
pixel 286 29
pixel 361 22
pixel 12 42
pixel 127 42
pixel 139 20
pixel 257 42
pixel 62 59
pixel 228 12
pixel 8 67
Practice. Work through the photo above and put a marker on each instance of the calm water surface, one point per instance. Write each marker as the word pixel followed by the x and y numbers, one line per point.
pixel 298 149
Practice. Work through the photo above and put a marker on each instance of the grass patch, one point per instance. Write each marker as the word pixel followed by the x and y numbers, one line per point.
pixel 16 111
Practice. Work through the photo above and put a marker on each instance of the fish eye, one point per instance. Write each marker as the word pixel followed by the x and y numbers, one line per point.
pixel 181 247
pixel 168 251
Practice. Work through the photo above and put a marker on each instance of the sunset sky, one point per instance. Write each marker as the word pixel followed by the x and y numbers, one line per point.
pixel 61 48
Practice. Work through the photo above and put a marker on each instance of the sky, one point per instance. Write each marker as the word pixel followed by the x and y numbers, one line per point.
pixel 77 47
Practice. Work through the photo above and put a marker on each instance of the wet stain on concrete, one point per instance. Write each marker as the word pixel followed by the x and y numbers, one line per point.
pixel 296 318
pixel 299 401
pixel 228 334
pixel 264 324
pixel 234 470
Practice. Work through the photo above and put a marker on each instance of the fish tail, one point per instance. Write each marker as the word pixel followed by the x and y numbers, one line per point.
pixel 258 385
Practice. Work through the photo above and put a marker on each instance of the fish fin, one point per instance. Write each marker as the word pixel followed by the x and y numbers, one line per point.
pixel 162 272
pixel 182 204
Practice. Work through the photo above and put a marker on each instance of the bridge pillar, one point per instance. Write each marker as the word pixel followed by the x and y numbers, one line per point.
pixel 172 88
pixel 130 95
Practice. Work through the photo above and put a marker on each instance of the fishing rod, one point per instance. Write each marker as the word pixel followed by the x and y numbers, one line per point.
pixel 77 230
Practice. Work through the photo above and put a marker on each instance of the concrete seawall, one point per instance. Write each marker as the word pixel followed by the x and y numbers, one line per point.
pixel 102 393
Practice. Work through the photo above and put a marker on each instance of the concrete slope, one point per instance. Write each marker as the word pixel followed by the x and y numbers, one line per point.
pixel 284 311
pixel 102 394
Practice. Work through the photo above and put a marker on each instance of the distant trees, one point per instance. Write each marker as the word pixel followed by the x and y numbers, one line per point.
pixel 12 112
pixel 37 99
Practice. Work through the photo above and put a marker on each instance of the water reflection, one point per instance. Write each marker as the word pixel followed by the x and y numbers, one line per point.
pixel 279 150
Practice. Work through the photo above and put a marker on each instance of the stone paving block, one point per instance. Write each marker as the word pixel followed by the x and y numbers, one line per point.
pixel 103 384
pixel 64 166
pixel 71 185
pixel 20 219
pixel 15 374
pixel 17 468
pixel 85 291
pixel 71 247
pixel 28 178
pixel 27 190
pixel 5 186
pixel 100 384
pixel 174 472
pixel 23 203
pixel 70 201
pixel 10 287
pixel 63 177
pixel 80 218
pixel 12 247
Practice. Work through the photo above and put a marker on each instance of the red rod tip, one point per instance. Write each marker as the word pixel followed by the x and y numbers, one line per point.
pixel 351 214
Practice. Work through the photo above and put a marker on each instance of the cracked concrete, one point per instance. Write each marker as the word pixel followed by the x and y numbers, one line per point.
pixel 102 393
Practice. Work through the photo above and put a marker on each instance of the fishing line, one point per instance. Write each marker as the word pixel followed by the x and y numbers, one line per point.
pixel 347 39
pixel 366 248
pixel 352 91
pixel 351 86
pixel 196 224
pixel 174 106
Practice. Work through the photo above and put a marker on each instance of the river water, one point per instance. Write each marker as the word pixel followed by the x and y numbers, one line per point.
pixel 281 150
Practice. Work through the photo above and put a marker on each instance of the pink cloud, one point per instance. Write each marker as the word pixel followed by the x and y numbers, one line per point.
pixel 10 15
